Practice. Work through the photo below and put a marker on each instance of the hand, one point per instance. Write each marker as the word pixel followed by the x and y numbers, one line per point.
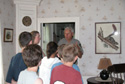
pixel 77 45
pixel 13 82
pixel 79 50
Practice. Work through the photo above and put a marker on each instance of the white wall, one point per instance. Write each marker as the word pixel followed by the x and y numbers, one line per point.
pixel 89 12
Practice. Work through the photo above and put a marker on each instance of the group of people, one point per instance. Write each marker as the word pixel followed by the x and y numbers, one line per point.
pixel 31 66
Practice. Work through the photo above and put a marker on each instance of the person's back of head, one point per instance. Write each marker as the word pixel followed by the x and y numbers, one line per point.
pixel 32 55
pixel 34 33
pixel 51 48
pixel 25 38
pixel 69 53
pixel 60 49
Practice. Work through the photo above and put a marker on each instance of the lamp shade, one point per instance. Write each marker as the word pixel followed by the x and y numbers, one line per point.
pixel 104 63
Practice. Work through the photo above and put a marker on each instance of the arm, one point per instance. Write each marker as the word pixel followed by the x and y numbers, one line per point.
pixel 12 82
pixel 80 51
pixel 9 77
pixel 80 54
pixel 39 81
pixel 8 83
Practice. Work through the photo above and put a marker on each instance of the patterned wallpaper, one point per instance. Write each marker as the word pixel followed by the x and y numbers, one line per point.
pixel 7 17
pixel 89 11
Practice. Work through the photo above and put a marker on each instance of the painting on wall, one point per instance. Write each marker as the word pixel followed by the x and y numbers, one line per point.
pixel 8 35
pixel 108 37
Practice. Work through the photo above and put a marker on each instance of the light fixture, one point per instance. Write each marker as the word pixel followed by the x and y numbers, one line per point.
pixel 104 63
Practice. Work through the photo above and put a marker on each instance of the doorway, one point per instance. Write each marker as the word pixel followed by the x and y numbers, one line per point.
pixel 51 29
pixel 54 32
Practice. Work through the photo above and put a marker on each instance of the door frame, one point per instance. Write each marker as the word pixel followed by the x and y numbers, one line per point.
pixel 1 57
pixel 60 20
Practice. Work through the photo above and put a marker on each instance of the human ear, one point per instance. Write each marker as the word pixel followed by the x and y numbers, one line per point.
pixel 75 58
pixel 30 42
pixel 39 63
pixel 58 55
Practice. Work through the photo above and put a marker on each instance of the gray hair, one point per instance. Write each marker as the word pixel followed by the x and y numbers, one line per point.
pixel 69 28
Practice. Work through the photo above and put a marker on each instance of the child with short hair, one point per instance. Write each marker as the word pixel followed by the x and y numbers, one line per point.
pixel 71 76
pixel 17 64
pixel 32 56
pixel 60 49
pixel 36 38
pixel 48 61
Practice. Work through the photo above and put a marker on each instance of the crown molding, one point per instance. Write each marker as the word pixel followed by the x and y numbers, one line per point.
pixel 27 2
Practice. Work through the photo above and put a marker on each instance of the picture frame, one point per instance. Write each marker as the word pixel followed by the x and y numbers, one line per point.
pixel 108 37
pixel 8 35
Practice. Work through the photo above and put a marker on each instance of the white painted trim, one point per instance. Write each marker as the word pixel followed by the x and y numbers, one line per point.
pixel 21 11
pixel 17 23
pixel 1 58
pixel 28 2
pixel 59 20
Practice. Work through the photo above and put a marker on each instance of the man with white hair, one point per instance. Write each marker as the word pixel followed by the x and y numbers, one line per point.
pixel 68 33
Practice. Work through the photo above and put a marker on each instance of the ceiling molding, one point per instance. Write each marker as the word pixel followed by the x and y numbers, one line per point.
pixel 27 2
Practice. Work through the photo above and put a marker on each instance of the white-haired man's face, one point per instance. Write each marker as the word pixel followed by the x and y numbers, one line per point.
pixel 68 34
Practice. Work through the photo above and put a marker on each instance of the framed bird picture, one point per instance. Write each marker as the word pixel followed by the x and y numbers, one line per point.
pixel 108 37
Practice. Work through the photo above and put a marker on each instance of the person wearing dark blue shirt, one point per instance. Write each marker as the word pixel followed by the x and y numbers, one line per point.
pixel 17 64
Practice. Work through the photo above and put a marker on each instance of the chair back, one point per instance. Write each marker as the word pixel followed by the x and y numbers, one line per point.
pixel 117 73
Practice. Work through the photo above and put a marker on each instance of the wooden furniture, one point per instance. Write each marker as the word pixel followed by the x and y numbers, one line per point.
pixel 117 71
pixel 97 80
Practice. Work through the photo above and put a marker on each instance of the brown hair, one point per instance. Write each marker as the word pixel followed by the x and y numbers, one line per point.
pixel 32 55
pixel 51 48
pixel 24 39
pixel 60 49
pixel 34 35
pixel 70 51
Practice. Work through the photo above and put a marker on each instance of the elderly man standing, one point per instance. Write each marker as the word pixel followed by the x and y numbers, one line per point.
pixel 68 33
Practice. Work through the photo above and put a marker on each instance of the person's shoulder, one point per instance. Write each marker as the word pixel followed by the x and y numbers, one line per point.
pixel 76 67
pixel 23 72
pixel 75 39
pixel 39 81
pixel 76 72
pixel 61 41
pixel 17 55
pixel 56 64
pixel 57 59
pixel 59 63
pixel 44 59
